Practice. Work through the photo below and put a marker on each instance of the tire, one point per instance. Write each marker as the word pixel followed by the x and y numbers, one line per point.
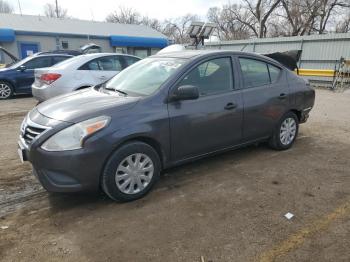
pixel 123 179
pixel 6 90
pixel 290 124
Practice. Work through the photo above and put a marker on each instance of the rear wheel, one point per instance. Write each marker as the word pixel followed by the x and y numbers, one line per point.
pixel 285 132
pixel 6 90
pixel 131 172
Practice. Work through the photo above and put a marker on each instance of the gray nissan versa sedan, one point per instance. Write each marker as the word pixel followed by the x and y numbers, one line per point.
pixel 163 111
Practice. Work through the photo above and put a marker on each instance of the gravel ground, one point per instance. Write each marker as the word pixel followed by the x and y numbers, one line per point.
pixel 225 208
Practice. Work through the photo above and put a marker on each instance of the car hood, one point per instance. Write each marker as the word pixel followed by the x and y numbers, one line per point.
pixel 80 105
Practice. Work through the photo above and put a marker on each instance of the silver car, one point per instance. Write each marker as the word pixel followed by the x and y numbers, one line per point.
pixel 77 73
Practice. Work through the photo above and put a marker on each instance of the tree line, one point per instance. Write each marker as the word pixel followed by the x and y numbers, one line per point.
pixel 249 19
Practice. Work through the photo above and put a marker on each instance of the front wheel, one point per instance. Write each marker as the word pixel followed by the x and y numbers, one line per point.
pixel 131 172
pixel 285 133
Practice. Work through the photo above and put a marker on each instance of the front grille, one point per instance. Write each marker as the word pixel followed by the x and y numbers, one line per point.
pixel 30 131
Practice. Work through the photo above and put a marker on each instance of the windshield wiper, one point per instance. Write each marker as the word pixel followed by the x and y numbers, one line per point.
pixel 120 91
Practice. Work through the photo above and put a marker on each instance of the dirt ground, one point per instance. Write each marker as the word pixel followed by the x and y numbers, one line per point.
pixel 225 208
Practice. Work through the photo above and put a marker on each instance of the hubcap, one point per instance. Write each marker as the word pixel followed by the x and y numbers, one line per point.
pixel 134 173
pixel 287 131
pixel 5 91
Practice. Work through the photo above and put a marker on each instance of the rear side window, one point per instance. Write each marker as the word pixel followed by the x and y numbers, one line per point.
pixel 255 73
pixel 211 77
pixel 107 63
pixel 274 72
pixel 110 63
pixel 38 62
pixel 58 59
pixel 129 60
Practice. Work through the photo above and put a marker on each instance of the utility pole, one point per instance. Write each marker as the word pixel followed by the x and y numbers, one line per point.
pixel 19 7
pixel 56 9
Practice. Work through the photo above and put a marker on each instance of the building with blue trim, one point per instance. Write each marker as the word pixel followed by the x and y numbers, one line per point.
pixel 23 35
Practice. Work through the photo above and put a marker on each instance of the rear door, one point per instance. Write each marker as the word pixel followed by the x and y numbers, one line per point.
pixel 102 69
pixel 265 95
pixel 214 120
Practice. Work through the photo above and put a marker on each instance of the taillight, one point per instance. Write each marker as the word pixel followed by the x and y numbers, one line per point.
pixel 48 79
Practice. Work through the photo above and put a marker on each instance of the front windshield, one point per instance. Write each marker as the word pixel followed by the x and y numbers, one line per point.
pixel 145 76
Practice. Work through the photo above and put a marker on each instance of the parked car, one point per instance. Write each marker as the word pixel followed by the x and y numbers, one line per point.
pixel 78 73
pixel 161 112
pixel 19 77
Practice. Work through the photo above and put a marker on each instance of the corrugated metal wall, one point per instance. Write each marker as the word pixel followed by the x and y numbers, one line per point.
pixel 318 51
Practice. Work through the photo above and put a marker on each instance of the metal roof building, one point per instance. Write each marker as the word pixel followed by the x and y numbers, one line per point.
pixel 23 35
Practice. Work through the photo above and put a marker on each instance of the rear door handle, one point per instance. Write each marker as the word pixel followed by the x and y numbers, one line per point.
pixel 282 96
pixel 230 106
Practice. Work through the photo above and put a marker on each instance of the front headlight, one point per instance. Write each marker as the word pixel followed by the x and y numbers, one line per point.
pixel 24 122
pixel 73 137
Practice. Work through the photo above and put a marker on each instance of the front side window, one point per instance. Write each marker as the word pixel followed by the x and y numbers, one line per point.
pixel 211 77
pixel 38 62
pixel 255 73
pixel 146 76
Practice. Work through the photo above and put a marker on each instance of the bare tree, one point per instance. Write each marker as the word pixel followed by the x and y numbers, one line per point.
pixel 255 14
pixel 50 10
pixel 327 9
pixel 152 22
pixel 176 29
pixel 228 27
pixel 5 7
pixel 124 15
pixel 343 26
pixel 300 15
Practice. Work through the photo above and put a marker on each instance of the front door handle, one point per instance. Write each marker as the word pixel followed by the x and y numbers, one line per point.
pixel 282 96
pixel 230 106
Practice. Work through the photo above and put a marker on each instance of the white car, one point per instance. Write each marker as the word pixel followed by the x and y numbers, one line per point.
pixel 78 72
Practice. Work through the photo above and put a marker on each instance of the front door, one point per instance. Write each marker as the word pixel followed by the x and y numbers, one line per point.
pixel 25 75
pixel 28 49
pixel 265 96
pixel 214 120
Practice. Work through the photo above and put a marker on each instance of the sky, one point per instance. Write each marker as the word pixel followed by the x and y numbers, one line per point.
pixel 98 9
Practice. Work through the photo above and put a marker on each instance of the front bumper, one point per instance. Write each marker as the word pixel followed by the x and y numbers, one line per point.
pixel 66 171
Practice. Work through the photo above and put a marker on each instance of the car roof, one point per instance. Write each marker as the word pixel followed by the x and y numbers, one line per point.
pixel 192 54
pixel 188 54
pixel 96 55
pixel 50 54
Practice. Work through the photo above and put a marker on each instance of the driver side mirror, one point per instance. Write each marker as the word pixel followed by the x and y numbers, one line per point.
pixel 185 92
pixel 22 68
